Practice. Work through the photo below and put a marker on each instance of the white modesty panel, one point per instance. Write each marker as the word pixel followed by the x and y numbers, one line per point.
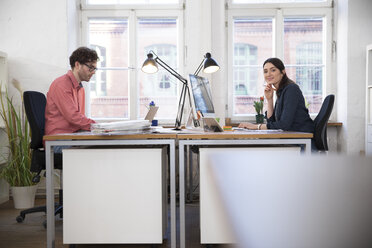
pixel 112 196
pixel 214 227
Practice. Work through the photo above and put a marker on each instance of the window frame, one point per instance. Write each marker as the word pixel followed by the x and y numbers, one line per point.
pixel 231 5
pixel 134 62
pixel 85 6
pixel 278 15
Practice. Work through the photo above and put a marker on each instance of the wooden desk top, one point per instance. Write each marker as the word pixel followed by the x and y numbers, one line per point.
pixel 329 124
pixel 334 124
pixel 109 136
pixel 183 135
pixel 254 134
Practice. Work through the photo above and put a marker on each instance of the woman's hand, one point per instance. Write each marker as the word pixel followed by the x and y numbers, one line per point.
pixel 269 92
pixel 247 125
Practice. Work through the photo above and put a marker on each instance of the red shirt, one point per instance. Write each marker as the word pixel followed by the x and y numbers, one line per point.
pixel 64 111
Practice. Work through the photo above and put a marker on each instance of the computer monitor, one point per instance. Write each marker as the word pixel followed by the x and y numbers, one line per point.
pixel 201 96
pixel 201 101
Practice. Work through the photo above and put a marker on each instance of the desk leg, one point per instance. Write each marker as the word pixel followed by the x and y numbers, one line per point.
pixel 50 196
pixel 182 192
pixel 308 147
pixel 172 157
pixel 190 167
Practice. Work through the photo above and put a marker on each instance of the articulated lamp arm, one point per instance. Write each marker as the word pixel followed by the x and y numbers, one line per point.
pixel 170 70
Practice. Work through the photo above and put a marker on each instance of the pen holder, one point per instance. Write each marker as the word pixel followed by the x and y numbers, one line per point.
pixel 154 122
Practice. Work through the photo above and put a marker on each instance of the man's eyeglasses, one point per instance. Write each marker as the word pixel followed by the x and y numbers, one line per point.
pixel 91 68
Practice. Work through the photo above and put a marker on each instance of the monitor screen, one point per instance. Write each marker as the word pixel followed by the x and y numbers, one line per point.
pixel 202 95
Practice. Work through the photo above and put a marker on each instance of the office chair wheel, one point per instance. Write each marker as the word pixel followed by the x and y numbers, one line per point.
pixel 45 224
pixel 20 218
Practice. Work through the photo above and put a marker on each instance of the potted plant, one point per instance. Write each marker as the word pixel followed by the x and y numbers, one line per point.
pixel 258 105
pixel 17 169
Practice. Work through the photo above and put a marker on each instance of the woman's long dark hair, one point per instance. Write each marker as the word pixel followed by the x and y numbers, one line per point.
pixel 279 65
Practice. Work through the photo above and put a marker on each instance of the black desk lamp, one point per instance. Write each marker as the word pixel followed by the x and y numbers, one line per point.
pixel 151 66
pixel 210 65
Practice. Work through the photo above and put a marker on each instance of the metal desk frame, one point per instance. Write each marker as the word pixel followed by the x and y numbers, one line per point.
pixel 184 143
pixel 49 144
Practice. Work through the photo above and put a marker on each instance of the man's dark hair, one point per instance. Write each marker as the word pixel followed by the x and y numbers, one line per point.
pixel 83 55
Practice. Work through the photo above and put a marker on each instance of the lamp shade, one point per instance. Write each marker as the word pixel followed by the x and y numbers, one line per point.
pixel 210 65
pixel 150 66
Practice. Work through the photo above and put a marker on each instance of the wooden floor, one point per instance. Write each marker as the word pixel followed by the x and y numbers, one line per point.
pixel 31 233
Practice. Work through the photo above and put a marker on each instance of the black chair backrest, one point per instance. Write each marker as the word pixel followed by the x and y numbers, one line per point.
pixel 320 134
pixel 35 103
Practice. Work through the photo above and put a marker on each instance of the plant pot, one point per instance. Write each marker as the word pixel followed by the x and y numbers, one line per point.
pixel 260 118
pixel 24 197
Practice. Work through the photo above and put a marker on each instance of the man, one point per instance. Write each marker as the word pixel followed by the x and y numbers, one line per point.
pixel 65 107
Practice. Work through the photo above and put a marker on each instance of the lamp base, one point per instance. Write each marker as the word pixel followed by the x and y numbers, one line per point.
pixel 177 129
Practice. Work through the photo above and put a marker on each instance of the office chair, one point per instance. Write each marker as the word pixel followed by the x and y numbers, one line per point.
pixel 35 103
pixel 320 134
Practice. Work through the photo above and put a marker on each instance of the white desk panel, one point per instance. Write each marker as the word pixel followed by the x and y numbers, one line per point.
pixel 113 196
pixel 214 227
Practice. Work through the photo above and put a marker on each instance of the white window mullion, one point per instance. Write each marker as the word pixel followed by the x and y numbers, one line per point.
pixel 279 35
pixel 328 87
pixel 230 52
pixel 133 85
pixel 84 41
pixel 181 61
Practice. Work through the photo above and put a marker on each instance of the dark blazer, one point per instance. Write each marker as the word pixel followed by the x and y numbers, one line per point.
pixel 290 113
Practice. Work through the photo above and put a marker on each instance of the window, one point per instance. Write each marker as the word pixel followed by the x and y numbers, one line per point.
pixel 298 36
pixel 160 87
pixel 244 55
pixel 277 1
pixel 131 2
pixel 303 56
pixel 281 3
pixel 98 81
pixel 252 41
pixel 108 89
pixel 122 39
pixel 309 73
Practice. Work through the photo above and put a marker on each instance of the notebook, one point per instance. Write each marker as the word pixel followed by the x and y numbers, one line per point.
pixel 151 113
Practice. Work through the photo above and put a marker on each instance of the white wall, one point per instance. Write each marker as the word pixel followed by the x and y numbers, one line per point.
pixel 354 22
pixel 34 34
pixel 205 31
pixel 219 52
pixel 38 37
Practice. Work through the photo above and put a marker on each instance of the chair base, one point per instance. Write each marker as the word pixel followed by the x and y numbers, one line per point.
pixel 58 209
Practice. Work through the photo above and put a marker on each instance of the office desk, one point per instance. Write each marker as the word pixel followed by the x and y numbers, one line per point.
pixel 91 140
pixel 228 139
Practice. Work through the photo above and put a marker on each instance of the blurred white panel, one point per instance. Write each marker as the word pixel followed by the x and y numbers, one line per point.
pixel 283 201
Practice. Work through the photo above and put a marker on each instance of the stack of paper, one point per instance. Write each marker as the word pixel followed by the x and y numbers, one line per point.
pixel 133 126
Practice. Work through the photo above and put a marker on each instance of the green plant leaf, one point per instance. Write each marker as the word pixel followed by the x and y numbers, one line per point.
pixel 17 170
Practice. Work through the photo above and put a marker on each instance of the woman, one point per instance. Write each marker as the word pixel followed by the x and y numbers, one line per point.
pixel 289 113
